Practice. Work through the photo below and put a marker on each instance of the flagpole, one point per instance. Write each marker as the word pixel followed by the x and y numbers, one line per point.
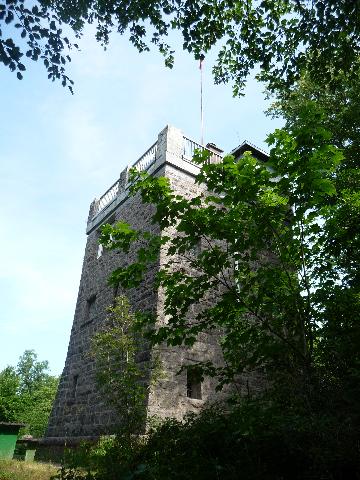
pixel 202 57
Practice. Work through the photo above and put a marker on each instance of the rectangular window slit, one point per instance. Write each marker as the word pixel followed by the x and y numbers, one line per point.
pixel 193 385
pixel 75 383
pixel 90 309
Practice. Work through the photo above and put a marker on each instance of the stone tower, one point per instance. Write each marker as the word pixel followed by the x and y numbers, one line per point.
pixel 79 410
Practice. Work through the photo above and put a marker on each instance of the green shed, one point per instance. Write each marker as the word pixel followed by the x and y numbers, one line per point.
pixel 8 436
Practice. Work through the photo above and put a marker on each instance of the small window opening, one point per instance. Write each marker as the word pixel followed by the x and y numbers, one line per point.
pixel 90 312
pixel 75 384
pixel 193 385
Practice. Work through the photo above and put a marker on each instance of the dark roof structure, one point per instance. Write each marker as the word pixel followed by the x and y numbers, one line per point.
pixel 246 146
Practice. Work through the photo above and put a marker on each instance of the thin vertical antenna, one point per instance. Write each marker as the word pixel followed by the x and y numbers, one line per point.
pixel 202 57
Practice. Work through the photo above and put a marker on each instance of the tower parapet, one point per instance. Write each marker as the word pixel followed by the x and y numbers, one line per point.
pixel 172 148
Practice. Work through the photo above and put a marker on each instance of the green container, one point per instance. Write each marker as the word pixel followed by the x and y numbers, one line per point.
pixel 8 437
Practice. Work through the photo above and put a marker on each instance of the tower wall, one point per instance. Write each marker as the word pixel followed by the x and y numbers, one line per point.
pixel 79 409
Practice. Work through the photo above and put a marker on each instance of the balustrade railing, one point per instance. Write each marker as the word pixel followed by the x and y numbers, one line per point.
pixel 189 150
pixel 144 163
pixel 107 198
pixel 146 160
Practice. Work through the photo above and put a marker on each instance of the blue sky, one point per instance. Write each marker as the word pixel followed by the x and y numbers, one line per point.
pixel 59 151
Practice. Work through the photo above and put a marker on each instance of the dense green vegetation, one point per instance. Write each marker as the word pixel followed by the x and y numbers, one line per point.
pixel 119 375
pixel 30 30
pixel 281 38
pixel 27 393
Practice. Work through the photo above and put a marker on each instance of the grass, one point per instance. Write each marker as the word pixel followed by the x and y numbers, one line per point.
pixel 18 470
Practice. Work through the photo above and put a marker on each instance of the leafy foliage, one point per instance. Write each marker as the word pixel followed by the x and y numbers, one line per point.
pixel 117 372
pixel 281 37
pixel 31 372
pixel 27 393
pixel 338 345
pixel 9 401
pixel 36 407
pixel 37 33
pixel 254 438
pixel 121 376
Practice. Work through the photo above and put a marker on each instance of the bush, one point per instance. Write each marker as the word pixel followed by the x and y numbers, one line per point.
pixel 254 440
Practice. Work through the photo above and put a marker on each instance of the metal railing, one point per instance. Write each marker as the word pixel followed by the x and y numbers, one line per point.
pixel 146 160
pixel 143 164
pixel 189 150
pixel 107 198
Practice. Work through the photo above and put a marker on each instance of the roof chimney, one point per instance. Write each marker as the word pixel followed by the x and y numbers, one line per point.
pixel 217 157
